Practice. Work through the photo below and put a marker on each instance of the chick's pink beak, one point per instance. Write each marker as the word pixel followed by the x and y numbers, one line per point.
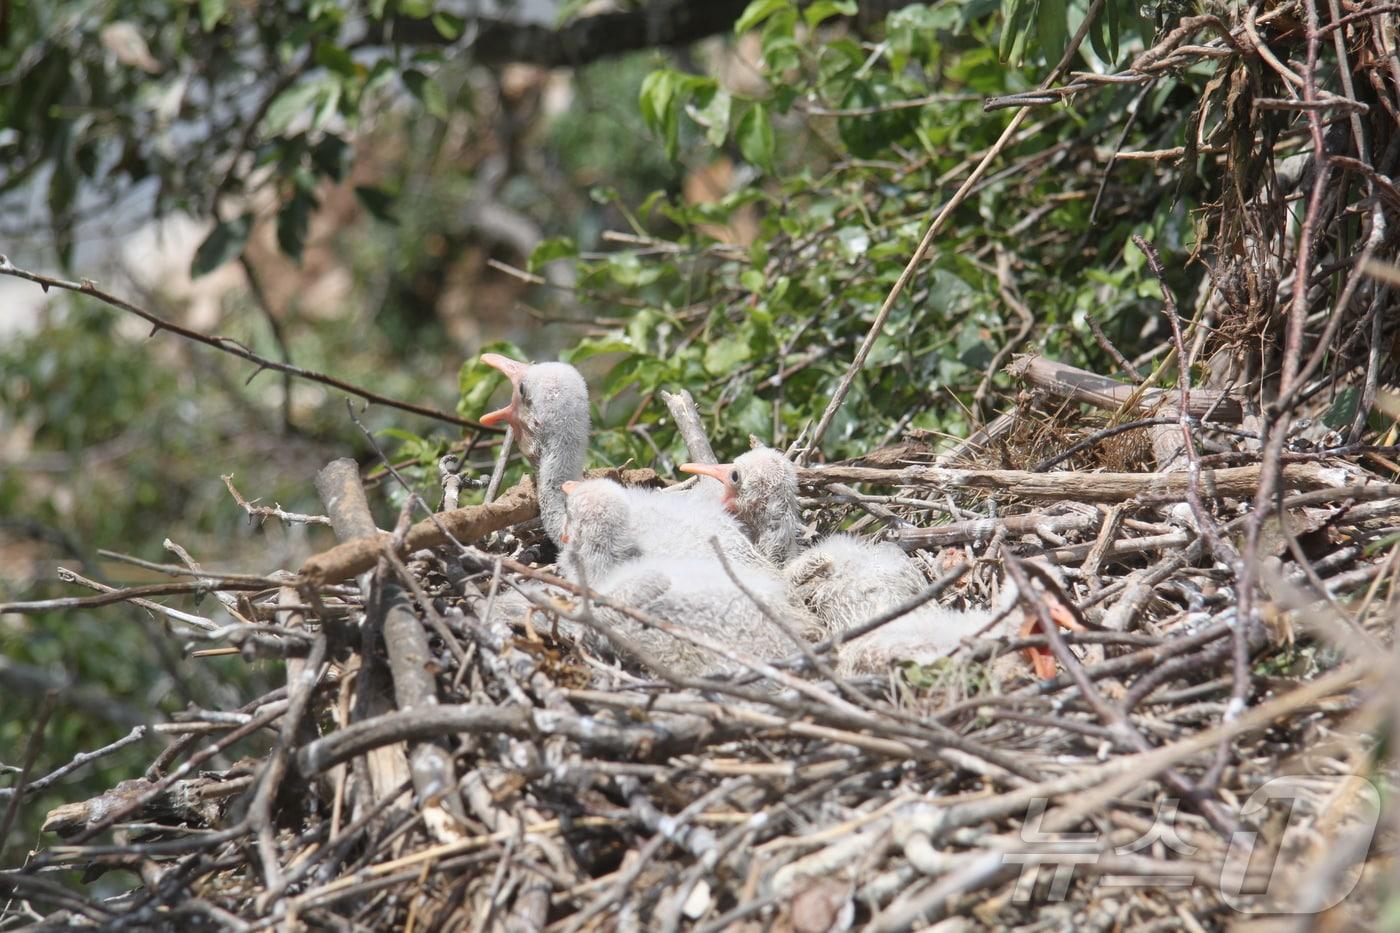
pixel 514 371
pixel 719 471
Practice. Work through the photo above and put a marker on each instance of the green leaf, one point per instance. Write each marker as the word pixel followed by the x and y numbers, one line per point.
pixel 712 112
pixel 1052 28
pixel 549 250
pixel 331 156
pixel 869 136
pixel 293 220
pixel 655 98
pixel 416 9
pixel 476 381
pixel 399 434
pixel 722 355
pixel 854 242
pixel 590 347
pixel 289 105
pixel 781 50
pixel 332 57
pixel 756 12
pixel 1016 20
pixel 626 269
pixel 210 12
pixel 660 100
pixel 825 9
pixel 753 415
pixel 223 243
pixel 1342 411
pixel 448 26
pixel 329 104
pixel 1103 32
pixel 755 137
pixel 646 371
pixel 1113 16
pixel 428 92
pixel 378 202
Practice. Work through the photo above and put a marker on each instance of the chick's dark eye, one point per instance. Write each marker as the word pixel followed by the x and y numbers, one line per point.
pixel 734 477
pixel 524 394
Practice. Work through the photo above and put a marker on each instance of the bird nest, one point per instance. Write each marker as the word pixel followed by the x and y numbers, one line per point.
pixel 1203 747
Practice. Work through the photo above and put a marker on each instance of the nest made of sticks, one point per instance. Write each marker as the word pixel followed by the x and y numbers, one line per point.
pixel 430 766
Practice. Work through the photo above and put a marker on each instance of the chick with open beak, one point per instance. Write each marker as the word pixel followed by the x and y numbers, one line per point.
pixel 548 412
pixel 509 414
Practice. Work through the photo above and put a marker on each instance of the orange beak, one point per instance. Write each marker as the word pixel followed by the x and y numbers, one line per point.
pixel 719 471
pixel 514 371
pixel 1041 657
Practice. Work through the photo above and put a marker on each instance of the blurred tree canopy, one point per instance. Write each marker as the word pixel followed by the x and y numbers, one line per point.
pixel 719 196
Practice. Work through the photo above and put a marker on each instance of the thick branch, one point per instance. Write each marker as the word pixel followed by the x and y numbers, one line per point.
pixel 984 529
pixel 350 558
pixel 1085 487
pixel 663 23
pixel 1080 385
pixel 683 411
pixel 658 738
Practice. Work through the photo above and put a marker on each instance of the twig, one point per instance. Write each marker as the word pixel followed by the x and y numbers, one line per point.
pixel 79 760
pixel 231 346
pixel 31 754
pixel 129 593
pixel 272 511
pixel 935 228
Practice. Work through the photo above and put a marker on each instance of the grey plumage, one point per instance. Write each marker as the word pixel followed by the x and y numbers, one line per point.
pixel 842 580
pixel 548 411
pixel 765 502
pixel 695 592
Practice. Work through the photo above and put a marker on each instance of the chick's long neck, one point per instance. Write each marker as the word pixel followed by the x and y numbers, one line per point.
pixel 774 523
pixel 556 461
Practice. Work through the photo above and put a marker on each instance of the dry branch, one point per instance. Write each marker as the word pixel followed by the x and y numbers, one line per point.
pixel 351 558
pixel 383 770
pixel 687 417
pixel 1078 385
pixel 1232 482
pixel 982 530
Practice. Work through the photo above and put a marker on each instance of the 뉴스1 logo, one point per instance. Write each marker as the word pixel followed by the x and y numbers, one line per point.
pixel 1248 879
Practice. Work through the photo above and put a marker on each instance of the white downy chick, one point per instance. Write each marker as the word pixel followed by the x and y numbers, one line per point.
pixel 683 523
pixel 842 580
pixel 598 533
pixel 760 489
pixel 694 592
pixel 697 594
pixel 548 411
pixel 923 636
